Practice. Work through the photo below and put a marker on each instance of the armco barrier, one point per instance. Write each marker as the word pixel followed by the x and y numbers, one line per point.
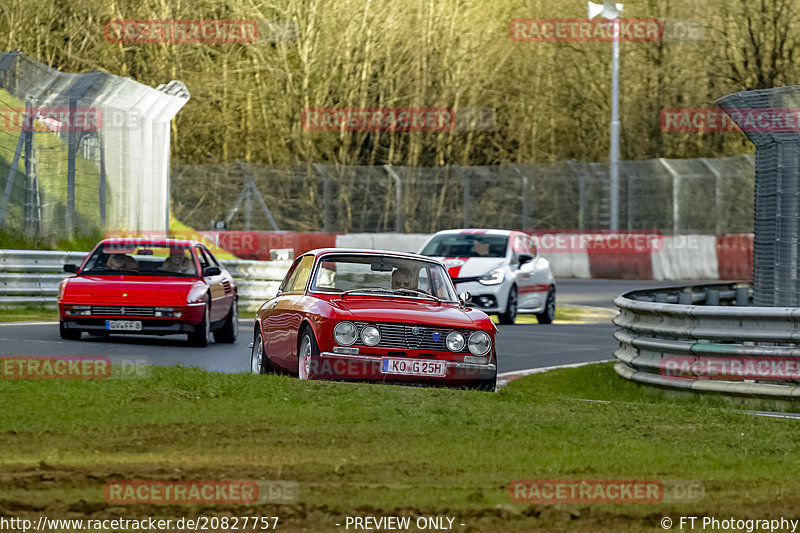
pixel 32 277
pixel 703 325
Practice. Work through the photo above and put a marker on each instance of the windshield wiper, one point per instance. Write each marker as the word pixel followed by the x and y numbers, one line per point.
pixel 417 292
pixel 368 289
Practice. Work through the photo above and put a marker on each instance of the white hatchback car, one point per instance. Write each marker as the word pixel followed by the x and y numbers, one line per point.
pixel 500 269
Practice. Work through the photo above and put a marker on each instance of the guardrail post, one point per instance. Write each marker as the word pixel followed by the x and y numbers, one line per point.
pixel 742 296
pixel 712 297
pixel 685 297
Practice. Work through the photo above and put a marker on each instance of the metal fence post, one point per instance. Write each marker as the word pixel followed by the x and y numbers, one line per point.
pixel 326 196
pixel 717 194
pixel 398 198
pixel 676 193
pixel 465 180
pixel 581 191
pixel 525 197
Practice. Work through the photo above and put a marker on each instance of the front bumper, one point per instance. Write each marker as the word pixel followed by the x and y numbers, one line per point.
pixel 329 365
pixel 150 326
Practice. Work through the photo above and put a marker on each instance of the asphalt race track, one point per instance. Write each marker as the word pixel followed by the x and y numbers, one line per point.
pixel 520 346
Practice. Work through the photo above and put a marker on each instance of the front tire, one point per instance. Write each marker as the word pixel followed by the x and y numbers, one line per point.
pixel 488 384
pixel 259 362
pixel 308 354
pixel 510 314
pixel 68 334
pixel 199 337
pixel 230 329
pixel 549 313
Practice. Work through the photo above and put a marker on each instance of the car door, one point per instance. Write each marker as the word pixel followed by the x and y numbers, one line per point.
pixel 524 272
pixel 225 281
pixel 285 314
pixel 217 291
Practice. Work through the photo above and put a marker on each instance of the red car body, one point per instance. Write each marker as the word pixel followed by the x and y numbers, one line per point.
pixel 411 329
pixel 198 298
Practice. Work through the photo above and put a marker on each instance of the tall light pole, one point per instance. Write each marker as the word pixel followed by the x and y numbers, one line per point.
pixel 611 11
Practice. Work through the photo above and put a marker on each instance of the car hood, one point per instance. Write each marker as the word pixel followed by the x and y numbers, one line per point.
pixel 402 310
pixel 144 290
pixel 464 267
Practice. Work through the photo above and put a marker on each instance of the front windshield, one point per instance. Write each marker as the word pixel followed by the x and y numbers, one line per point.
pixel 466 245
pixel 383 274
pixel 141 259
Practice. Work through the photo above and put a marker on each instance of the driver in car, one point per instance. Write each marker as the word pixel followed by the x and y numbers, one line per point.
pixel 177 262
pixel 401 278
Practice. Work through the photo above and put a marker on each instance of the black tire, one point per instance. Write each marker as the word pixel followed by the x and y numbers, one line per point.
pixel 307 336
pixel 549 313
pixel 230 328
pixel 68 334
pixel 199 337
pixel 509 316
pixel 259 362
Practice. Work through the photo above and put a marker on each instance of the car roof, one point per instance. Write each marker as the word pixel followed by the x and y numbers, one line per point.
pixel 475 231
pixel 405 255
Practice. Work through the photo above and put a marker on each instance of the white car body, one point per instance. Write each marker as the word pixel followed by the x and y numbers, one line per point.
pixel 480 276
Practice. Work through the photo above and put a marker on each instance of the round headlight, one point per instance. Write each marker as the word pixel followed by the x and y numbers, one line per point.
pixel 345 333
pixel 479 343
pixel 370 336
pixel 455 341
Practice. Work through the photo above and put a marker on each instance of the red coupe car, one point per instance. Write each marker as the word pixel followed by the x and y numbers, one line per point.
pixel 374 316
pixel 149 286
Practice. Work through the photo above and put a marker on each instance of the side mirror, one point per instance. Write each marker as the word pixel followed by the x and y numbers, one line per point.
pixel 524 258
pixel 211 271
pixel 465 298
pixel 72 269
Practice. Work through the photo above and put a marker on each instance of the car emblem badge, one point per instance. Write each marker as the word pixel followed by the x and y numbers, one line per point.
pixel 436 336
pixel 122 310
pixel 124 294
pixel 415 330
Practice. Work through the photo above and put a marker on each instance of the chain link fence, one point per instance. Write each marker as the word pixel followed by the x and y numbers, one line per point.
pixel 82 152
pixel 705 196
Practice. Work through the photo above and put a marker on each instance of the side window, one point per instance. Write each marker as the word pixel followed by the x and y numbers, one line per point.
pixel 301 274
pixel 290 275
pixel 201 257
pixel 422 280
pixel 210 257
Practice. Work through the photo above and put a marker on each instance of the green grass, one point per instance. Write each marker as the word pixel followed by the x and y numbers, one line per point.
pixel 28 313
pixel 389 446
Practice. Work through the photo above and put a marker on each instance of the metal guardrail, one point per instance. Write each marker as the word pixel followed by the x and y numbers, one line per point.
pixel 699 323
pixel 29 277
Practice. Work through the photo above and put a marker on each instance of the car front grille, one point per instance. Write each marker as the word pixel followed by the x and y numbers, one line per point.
pixel 116 310
pixel 411 337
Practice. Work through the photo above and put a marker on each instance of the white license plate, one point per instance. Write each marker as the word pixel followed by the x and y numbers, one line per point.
pixel 412 367
pixel 124 325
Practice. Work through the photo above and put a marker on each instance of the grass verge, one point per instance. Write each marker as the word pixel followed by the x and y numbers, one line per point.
pixel 28 313
pixel 393 449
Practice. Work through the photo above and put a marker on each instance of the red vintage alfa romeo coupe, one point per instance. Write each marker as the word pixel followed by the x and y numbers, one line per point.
pixel 375 316
pixel 149 286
